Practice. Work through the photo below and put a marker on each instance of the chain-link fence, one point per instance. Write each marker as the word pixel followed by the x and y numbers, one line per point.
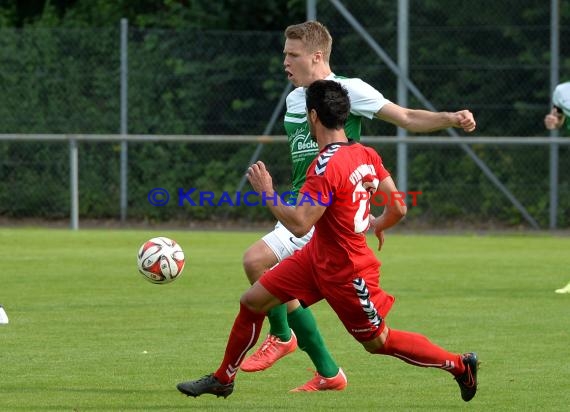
pixel 196 182
pixel 192 82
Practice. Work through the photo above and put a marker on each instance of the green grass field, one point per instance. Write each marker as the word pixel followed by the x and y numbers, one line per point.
pixel 88 333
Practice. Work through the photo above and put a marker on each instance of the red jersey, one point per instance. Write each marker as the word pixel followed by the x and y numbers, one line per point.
pixel 343 176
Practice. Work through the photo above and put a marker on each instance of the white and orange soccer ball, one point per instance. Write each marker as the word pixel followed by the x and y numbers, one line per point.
pixel 160 260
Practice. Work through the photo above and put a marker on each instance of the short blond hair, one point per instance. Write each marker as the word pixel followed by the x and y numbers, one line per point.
pixel 314 35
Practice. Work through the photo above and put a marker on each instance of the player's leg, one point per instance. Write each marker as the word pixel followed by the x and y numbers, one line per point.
pixel 362 306
pixel 261 256
pixel 243 336
pixel 418 350
pixel 298 280
pixel 256 261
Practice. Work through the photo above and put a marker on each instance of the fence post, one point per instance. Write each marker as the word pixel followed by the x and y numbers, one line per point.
pixel 403 52
pixel 554 66
pixel 74 184
pixel 311 10
pixel 124 119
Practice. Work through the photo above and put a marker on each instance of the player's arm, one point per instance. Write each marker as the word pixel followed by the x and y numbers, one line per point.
pixel 554 119
pixel 394 210
pixel 424 121
pixel 299 219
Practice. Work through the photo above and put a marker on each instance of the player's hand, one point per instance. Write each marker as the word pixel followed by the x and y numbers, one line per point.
pixel 552 120
pixel 380 236
pixel 465 120
pixel 260 178
pixel 378 233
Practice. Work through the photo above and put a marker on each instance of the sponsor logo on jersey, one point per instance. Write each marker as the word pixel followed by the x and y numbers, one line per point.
pixel 307 145
pixel 301 142
pixel 302 146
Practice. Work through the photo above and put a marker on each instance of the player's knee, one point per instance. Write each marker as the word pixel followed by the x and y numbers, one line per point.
pixel 252 302
pixel 257 260
pixel 372 346
pixel 377 344
pixel 252 266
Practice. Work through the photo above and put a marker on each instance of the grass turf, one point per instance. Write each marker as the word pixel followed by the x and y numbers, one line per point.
pixel 88 333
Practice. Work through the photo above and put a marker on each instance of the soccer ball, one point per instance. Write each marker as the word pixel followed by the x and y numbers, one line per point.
pixel 160 260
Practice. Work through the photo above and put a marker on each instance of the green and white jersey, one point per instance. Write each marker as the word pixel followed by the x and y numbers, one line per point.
pixel 561 99
pixel 365 101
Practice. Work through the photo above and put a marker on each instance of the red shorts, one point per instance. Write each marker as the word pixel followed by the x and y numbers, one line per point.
pixel 359 302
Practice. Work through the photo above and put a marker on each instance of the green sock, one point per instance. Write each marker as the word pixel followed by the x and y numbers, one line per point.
pixel 310 340
pixel 278 322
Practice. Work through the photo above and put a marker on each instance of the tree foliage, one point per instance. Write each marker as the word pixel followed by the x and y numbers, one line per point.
pixel 215 67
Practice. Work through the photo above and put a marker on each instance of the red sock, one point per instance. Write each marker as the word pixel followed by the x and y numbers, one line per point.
pixel 417 350
pixel 243 336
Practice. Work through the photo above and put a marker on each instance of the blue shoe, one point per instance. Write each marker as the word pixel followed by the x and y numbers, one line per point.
pixel 467 381
pixel 206 384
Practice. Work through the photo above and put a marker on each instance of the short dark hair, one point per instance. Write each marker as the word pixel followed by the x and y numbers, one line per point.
pixel 330 100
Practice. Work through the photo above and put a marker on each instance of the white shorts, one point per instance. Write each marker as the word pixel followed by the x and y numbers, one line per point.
pixel 283 243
